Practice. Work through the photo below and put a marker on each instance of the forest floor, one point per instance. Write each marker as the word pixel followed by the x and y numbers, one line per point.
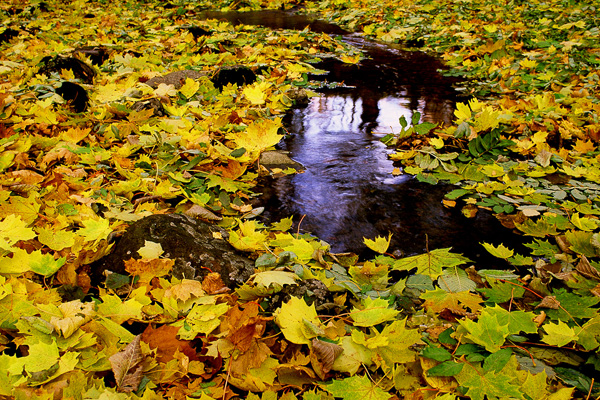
pixel 92 139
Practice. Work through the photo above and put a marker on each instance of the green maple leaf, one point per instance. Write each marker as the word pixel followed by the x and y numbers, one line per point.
pixel 431 263
pixel 518 321
pixel 541 228
pixel 487 331
pixel 573 306
pixel 489 384
pixel 589 335
pixel 559 334
pixel 375 312
pixel 356 388
pixel 500 292
pixel 44 264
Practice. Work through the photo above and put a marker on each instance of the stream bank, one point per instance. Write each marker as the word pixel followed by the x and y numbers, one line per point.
pixel 348 190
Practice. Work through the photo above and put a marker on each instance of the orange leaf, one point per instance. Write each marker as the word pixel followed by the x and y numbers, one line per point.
pixel 164 340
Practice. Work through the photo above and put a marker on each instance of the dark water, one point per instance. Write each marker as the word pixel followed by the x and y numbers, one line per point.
pixel 347 191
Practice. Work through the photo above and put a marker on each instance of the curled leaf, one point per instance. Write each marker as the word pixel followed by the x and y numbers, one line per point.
pixel 126 365
pixel 326 353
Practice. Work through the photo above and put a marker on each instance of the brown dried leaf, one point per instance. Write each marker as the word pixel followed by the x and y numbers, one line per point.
pixel 126 366
pixel 213 284
pixel 585 268
pixel 185 290
pixel 326 353
pixel 539 320
pixel 549 302
pixel 197 211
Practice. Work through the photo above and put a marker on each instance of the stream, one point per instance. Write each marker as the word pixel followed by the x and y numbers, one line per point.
pixel 347 190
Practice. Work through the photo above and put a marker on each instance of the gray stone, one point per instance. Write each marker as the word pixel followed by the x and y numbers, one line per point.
pixel 192 243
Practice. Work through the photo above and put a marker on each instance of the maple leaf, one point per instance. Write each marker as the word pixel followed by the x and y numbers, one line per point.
pixel 431 263
pixel 292 317
pixel 256 93
pixel 559 334
pixel 126 365
pixel 13 229
pixel 583 147
pixel 189 88
pixel 25 207
pixel 375 312
pixel 95 229
pixel 490 384
pixel 354 355
pixel 258 136
pixel 589 334
pixel 56 239
pixel 202 319
pixel 247 237
pixel 164 340
pixel 150 250
pixel 487 331
pixel 356 388
pixel 148 269
pixel 380 244
pixel 500 251
pixel 439 299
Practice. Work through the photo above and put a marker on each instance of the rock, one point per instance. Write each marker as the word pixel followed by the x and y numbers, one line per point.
pixel 237 74
pixel 278 159
pixel 75 96
pixel 193 244
pixel 153 104
pixel 176 78
pixel 97 54
pixel 81 70
pixel 8 35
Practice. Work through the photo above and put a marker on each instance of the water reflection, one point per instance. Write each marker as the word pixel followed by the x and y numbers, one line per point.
pixel 348 191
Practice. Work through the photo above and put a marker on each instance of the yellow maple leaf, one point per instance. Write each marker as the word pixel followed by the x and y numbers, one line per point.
pixel 150 250
pixel 74 135
pixel 95 229
pixel 256 94
pixel 257 137
pixel 189 88
pixel 380 244
pixel 247 238
pixel 56 240
pixel 462 112
pixel 74 314
pixel 583 146
pixel 348 59
pixel 13 229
